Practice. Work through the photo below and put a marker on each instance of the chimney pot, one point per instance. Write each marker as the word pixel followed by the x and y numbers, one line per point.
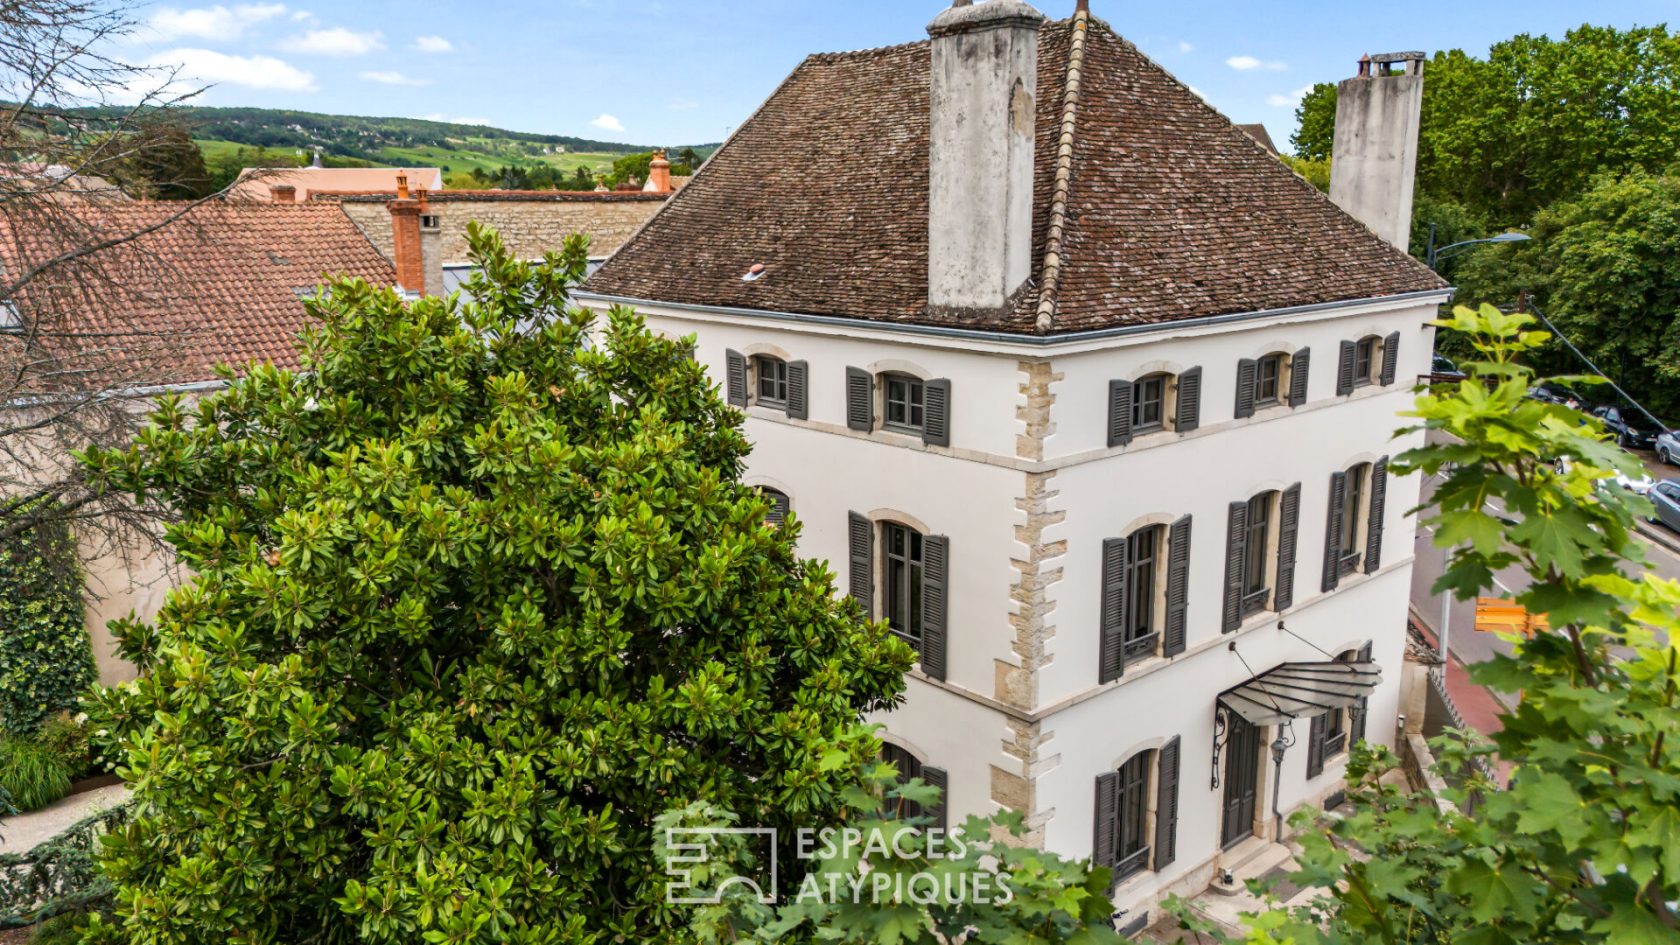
pixel 282 193
pixel 402 186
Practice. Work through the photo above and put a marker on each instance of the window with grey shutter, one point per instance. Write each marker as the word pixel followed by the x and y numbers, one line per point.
pixel 1391 358
pixel 861 555
pixel 1357 731
pixel 780 505
pixel 936 423
pixel 1167 767
pixel 1315 747
pixel 1106 840
pixel 860 399
pixel 1235 554
pixel 1119 413
pixel 1111 661
pixel 735 373
pixel 1247 370
pixel 941 809
pixel 1374 519
pixel 1178 588
pixel 1333 532
pixel 1289 522
pixel 936 554
pixel 1347 369
pixel 1189 409
pixel 798 374
pixel 1300 372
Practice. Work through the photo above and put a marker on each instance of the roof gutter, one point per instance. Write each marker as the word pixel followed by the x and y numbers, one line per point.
pixel 1033 341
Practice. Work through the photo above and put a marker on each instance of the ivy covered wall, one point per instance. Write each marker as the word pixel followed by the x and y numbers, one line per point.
pixel 46 660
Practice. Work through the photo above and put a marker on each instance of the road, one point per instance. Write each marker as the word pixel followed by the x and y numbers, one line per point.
pixel 1467 645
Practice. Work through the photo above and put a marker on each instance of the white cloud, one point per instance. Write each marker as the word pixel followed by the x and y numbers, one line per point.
pixel 608 123
pixel 1249 64
pixel 206 66
pixel 302 16
pixel 1290 100
pixel 336 41
pixel 394 78
pixel 684 104
pixel 1197 92
pixel 433 44
pixel 215 23
pixel 1185 47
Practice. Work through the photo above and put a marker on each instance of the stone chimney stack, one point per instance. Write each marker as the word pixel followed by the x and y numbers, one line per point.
pixel 980 186
pixel 1374 163
pixel 659 175
pixel 282 193
pixel 405 240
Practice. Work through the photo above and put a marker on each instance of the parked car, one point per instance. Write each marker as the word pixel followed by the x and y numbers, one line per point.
pixel 1632 433
pixel 1443 369
pixel 1666 497
pixel 1668 447
pixel 1551 392
pixel 1640 486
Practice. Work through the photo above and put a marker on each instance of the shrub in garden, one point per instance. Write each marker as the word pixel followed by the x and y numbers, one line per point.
pixel 31 774
pixel 46 660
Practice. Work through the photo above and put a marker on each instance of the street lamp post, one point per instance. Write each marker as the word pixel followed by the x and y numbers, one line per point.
pixel 1436 254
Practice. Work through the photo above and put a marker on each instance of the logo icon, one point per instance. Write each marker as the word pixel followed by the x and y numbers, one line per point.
pixel 690 848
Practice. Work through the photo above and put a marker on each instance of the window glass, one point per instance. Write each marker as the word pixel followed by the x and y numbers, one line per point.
pixel 1267 379
pixel 772 380
pixel 1256 593
pixel 1364 357
pixel 904 569
pixel 908 766
pixel 1132 849
pixel 905 406
pixel 1353 510
pixel 1149 397
pixel 1142 571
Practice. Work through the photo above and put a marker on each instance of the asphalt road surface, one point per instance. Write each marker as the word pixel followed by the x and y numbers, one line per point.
pixel 1467 645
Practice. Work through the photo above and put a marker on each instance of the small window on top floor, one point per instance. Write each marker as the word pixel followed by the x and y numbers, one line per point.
pixel 1268 381
pixel 1367 360
pixel 1149 403
pixel 772 374
pixel 905 399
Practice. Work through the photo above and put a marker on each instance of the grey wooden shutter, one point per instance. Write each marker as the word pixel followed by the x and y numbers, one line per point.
pixel 1236 545
pixel 1189 414
pixel 941 809
pixel 1300 372
pixel 936 417
pixel 1246 369
pixel 1119 413
pixel 735 372
pixel 1344 370
pixel 1106 842
pixel 1374 524
pixel 1391 358
pixel 1289 526
pixel 1167 767
pixel 1111 661
pixel 1333 532
pixel 936 555
pixel 860 399
pixel 1315 747
pixel 860 537
pixel 780 505
pixel 1178 588
pixel 798 374
pixel 1357 730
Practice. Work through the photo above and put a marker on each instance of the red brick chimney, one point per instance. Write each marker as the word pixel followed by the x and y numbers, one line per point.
pixel 659 175
pixel 282 193
pixel 405 240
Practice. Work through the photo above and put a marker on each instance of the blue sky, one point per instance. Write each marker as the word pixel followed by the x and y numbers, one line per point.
pixel 687 71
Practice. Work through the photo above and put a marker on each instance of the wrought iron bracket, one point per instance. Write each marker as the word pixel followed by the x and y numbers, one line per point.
pixel 1220 737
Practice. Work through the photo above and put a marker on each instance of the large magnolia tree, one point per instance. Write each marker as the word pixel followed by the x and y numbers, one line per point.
pixel 479 596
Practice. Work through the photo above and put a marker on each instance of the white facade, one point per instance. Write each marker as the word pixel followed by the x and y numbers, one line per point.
pixel 1027 493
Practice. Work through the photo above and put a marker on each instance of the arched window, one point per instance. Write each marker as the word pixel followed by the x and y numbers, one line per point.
pixel 904 399
pixel 772 380
pixel 1141 631
pixel 908 767
pixel 1351 519
pixel 1149 403
pixel 1274 379
pixel 1367 360
pixel 780 505
pixel 1257 553
pixel 904 566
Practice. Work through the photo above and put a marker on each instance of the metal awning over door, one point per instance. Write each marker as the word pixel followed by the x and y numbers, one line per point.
pixel 1301 690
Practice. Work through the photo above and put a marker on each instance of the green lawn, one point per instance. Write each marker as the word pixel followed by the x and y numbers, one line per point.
pixel 473 153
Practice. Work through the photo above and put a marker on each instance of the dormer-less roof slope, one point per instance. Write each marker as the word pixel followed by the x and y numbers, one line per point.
pixel 1172 212
pixel 220 283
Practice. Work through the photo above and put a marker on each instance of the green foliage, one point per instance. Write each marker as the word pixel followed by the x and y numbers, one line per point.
pixel 635 168
pixel 159 160
pixel 31 774
pixel 71 739
pixel 1605 267
pixel 1583 844
pixel 901 881
pixel 46 659
pixel 1317 172
pixel 1315 118
pixel 478 596
pixel 59 876
pixel 60 930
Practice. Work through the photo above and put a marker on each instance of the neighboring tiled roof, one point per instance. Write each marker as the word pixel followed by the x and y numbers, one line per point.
pixel 493 196
pixel 1259 133
pixel 220 284
pixel 1171 212
pixel 254 182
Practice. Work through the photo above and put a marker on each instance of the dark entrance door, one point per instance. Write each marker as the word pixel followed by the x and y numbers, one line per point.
pixel 1242 779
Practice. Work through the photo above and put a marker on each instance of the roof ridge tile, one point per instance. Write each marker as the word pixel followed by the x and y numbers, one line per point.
pixel 1052 272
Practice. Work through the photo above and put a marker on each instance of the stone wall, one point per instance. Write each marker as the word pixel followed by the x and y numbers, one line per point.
pixel 531 223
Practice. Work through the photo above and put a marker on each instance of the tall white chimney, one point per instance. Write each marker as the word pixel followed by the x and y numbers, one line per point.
pixel 1374 162
pixel 980 187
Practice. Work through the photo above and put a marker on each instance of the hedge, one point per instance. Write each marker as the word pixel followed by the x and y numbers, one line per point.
pixel 46 659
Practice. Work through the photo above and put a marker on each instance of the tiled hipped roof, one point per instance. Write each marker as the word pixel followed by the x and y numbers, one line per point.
pixel 220 284
pixel 1171 212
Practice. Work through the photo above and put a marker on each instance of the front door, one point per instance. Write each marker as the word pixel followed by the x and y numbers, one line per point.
pixel 1242 779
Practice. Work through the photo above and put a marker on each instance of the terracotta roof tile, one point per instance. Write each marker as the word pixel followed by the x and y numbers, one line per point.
pixel 220 284
pixel 1172 212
